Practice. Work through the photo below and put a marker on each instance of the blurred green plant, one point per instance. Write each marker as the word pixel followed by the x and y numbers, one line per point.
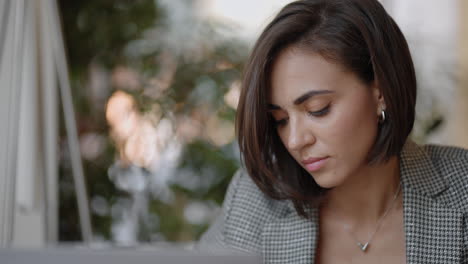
pixel 181 65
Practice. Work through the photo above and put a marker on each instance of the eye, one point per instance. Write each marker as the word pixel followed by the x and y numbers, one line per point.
pixel 320 112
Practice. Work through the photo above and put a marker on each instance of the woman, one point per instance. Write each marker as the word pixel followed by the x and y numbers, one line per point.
pixel 326 108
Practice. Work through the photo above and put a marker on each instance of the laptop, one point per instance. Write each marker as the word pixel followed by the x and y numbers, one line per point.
pixel 123 256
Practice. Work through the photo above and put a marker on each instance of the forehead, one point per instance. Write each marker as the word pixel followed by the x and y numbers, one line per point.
pixel 296 71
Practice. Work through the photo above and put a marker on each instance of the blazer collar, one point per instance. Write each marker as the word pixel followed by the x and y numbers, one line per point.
pixel 433 230
pixel 418 172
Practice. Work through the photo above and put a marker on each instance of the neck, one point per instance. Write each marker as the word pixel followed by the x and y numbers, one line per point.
pixel 366 195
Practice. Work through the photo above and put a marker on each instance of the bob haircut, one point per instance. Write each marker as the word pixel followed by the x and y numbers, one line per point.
pixel 356 34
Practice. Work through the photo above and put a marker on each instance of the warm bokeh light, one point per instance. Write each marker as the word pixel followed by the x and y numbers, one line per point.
pixel 220 132
pixel 121 115
pixel 231 98
pixel 142 147
pixel 134 135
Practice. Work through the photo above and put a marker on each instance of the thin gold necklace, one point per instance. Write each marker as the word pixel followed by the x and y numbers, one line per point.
pixel 364 246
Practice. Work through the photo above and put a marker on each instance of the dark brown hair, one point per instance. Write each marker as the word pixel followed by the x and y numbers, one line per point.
pixel 357 34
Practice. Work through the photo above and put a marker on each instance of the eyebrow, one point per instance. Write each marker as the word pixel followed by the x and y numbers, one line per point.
pixel 301 99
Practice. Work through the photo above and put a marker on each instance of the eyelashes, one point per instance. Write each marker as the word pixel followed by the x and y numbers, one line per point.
pixel 320 113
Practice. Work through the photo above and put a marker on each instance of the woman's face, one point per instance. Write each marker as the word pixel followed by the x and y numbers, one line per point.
pixel 326 117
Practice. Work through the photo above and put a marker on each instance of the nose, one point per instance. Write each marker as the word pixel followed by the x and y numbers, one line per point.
pixel 300 135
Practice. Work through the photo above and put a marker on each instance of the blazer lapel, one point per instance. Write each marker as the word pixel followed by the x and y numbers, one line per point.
pixel 434 232
pixel 290 240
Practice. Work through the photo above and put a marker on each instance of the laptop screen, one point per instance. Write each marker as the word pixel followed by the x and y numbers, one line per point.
pixel 122 256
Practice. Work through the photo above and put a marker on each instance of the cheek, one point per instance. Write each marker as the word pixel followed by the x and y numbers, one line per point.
pixel 352 131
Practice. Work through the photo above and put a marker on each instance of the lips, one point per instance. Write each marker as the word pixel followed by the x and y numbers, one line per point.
pixel 314 164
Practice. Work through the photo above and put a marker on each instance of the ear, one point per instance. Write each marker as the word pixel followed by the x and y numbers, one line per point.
pixel 378 97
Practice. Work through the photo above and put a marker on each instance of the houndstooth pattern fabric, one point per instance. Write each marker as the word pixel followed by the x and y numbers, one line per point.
pixel 435 200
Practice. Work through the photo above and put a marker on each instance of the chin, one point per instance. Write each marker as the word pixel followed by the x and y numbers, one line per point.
pixel 327 185
pixel 328 180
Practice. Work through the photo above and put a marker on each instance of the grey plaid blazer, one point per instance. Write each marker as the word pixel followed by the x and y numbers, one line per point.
pixel 435 201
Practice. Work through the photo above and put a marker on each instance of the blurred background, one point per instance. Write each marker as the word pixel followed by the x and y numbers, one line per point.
pixel 117 117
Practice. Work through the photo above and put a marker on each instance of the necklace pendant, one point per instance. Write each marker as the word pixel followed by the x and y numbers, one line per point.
pixel 363 247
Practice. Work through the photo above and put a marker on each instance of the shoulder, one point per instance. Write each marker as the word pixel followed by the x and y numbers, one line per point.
pixel 246 209
pixel 446 154
pixel 452 164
